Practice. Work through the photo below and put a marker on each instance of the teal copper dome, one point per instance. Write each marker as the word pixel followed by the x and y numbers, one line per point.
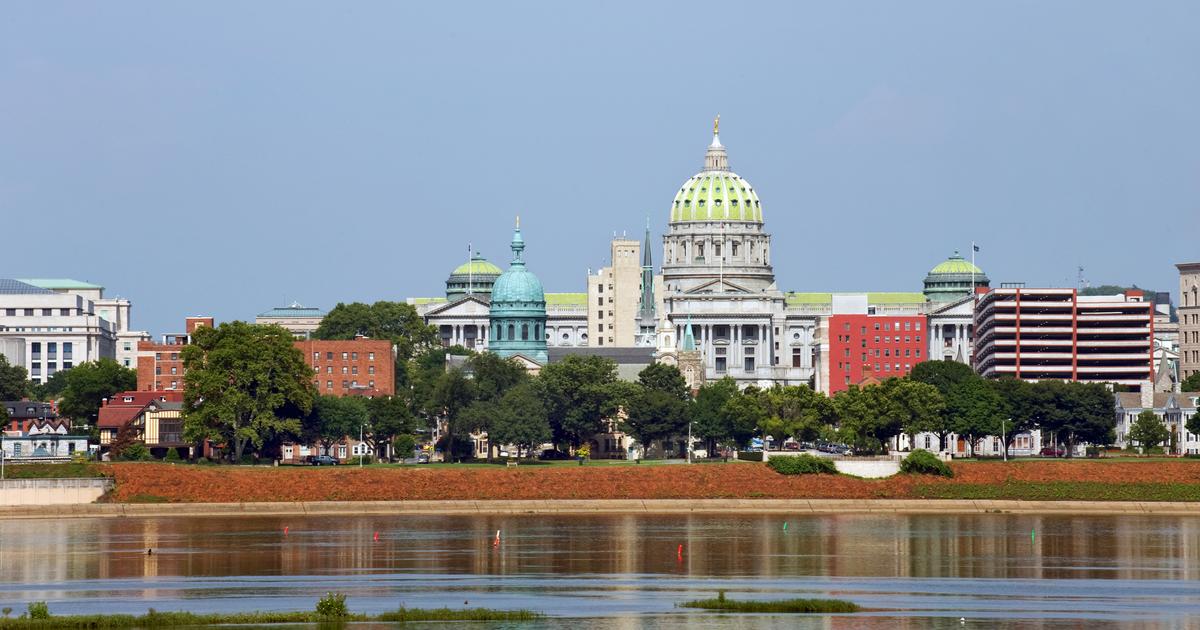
pixel 952 279
pixel 518 309
pixel 716 193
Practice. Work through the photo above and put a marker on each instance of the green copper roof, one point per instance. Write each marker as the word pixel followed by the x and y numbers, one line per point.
pixel 956 264
pixel 567 299
pixel 59 283
pixel 295 309
pixel 716 196
pixel 477 266
pixel 904 297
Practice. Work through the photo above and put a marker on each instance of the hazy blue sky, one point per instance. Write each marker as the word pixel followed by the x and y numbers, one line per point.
pixel 224 158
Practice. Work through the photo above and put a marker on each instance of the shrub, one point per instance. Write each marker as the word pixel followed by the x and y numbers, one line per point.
pixel 803 464
pixel 135 452
pixel 750 456
pixel 333 605
pixel 922 462
pixel 38 610
pixel 172 455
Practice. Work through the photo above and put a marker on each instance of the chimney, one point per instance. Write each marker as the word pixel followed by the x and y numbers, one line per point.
pixel 1147 395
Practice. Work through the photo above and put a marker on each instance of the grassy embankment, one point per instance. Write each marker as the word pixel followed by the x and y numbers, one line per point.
pixel 1125 479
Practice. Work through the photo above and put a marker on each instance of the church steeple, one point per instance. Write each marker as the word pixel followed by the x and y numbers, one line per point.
pixel 646 307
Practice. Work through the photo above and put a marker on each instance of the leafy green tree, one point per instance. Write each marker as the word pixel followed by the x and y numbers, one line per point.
pixel 943 375
pixel 239 378
pixel 1077 412
pixel 1024 406
pixel 89 383
pixel 494 375
pixel 745 413
pixel 423 373
pixel 654 414
pixel 520 418
pixel 452 394
pixel 579 395
pixel 52 388
pixel 977 410
pixel 389 417
pixel 1191 383
pixel 336 417
pixel 397 322
pixel 14 380
pixel 862 422
pixel 910 405
pixel 796 411
pixel 665 378
pixel 1149 431
pixel 709 420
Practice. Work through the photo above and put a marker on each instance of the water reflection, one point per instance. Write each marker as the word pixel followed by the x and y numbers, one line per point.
pixel 996 566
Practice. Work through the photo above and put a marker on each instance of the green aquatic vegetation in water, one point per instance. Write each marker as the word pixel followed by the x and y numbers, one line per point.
pixel 773 606
pixel 463 614
pixel 155 619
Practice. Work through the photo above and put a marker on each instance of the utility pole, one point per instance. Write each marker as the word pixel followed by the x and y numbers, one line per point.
pixel 1003 442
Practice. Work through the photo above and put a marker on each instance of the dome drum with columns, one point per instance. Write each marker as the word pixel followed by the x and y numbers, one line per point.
pixel 953 279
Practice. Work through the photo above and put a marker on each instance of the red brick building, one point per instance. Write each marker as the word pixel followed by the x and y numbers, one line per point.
pixel 362 367
pixel 159 366
pixel 880 346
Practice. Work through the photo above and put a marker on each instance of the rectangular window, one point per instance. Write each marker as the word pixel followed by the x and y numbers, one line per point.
pixel 47 312
pixel 370 356
pixel 158 370
pixel 344 356
pixel 887 367
pixel 174 370
pixel 370 369
pixel 11 312
pixel 600 301
pixel 354 370
pixel 907 325
pixel 748 364
pixel 28 312
pixel 600 328
pixel 328 384
pixel 917 326
pixel 52 350
pixel 344 370
pixel 329 369
pixel 918 352
pixel 316 357
pixel 720 365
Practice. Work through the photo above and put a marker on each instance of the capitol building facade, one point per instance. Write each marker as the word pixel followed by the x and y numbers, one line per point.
pixel 714 308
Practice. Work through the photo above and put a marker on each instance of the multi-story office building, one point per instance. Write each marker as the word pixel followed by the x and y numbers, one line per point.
pixel 365 367
pixel 616 294
pixel 115 310
pixel 1189 319
pixel 302 321
pixel 159 366
pixel 47 331
pixel 881 346
pixel 1038 334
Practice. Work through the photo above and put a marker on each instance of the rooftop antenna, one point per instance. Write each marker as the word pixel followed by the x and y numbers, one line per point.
pixel 1083 283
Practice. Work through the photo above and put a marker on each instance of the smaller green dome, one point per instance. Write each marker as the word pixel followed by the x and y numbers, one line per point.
pixel 956 264
pixel 477 266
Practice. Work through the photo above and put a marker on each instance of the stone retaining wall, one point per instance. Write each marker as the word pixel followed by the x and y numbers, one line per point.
pixel 52 492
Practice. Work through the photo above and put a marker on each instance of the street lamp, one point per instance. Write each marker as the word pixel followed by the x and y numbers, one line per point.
pixel 360 445
pixel 689 442
pixel 1003 442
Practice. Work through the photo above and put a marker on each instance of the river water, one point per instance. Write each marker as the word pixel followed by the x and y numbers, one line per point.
pixel 626 571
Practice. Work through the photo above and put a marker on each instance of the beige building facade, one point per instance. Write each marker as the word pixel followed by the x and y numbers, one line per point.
pixel 614 297
pixel 1189 319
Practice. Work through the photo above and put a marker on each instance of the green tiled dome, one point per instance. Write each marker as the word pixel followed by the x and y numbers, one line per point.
pixel 716 196
pixel 478 267
pixel 956 264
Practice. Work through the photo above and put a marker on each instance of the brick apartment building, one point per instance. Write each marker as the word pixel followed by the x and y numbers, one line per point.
pixel 159 366
pixel 363 367
pixel 879 346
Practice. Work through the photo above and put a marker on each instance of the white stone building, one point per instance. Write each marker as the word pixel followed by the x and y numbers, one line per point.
pixel 114 310
pixel 47 331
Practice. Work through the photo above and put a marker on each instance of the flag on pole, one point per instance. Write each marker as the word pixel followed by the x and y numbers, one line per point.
pixel 974 247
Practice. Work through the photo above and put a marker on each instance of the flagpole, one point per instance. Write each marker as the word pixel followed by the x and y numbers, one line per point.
pixel 470 277
pixel 972 270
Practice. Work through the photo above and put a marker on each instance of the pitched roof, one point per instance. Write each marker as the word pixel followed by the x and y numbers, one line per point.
pixel 23 409
pixel 1133 400
pixel 125 406
pixel 8 286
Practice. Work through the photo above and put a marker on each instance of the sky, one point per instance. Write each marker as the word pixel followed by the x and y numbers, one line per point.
pixel 223 158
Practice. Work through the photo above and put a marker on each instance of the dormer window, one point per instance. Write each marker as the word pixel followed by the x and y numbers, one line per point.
pixel 717 201
pixel 733 202
pixel 701 202
pixel 687 202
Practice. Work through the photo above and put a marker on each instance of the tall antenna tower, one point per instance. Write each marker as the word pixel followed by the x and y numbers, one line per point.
pixel 1083 283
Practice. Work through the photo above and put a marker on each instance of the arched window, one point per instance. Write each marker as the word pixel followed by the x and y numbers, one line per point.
pixel 524 332
pixel 511 332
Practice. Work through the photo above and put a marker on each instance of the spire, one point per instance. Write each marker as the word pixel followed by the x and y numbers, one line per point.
pixel 646 307
pixel 715 159
pixel 689 340
pixel 518 245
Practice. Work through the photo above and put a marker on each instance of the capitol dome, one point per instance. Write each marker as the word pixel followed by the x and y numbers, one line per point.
pixel 952 279
pixel 518 309
pixel 475 277
pixel 716 193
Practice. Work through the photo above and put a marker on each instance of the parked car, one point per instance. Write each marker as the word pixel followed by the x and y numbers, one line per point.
pixel 1051 451
pixel 791 446
pixel 323 460
pixel 423 458
pixel 551 454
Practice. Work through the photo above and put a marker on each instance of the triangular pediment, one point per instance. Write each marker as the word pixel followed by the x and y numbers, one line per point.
pixel 466 306
pixel 717 286
pixel 962 306
pixel 526 362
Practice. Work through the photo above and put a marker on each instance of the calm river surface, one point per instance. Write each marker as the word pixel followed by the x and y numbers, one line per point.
pixel 626 571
